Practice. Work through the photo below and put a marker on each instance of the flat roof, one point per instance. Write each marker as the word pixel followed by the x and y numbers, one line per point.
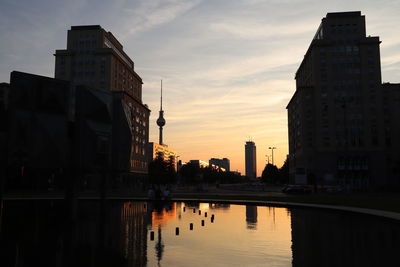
pixel 86 27
pixel 343 14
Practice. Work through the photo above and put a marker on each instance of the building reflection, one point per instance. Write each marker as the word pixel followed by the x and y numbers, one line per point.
pixel 192 204
pixel 162 212
pixel 339 239
pixel 220 206
pixel 251 217
pixel 101 234
pixel 134 232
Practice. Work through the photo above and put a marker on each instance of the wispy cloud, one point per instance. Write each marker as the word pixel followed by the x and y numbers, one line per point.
pixel 148 14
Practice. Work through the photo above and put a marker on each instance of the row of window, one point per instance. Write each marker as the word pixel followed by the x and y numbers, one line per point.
pixel 138 164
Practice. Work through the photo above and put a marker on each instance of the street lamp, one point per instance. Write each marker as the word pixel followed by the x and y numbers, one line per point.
pixel 272 149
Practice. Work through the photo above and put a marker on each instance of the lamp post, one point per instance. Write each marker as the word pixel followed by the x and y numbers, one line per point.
pixel 272 149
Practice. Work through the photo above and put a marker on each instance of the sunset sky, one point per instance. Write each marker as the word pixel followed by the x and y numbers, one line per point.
pixel 227 65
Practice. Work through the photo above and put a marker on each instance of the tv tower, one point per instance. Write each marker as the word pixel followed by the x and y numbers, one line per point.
pixel 161 120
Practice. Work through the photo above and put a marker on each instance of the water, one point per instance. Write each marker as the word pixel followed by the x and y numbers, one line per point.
pixel 118 233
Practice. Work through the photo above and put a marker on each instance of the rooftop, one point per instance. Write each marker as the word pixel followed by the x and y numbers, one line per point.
pixel 344 14
pixel 86 27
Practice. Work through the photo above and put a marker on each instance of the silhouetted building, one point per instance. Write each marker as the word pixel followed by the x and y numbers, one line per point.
pixel 45 146
pixel 220 163
pixel 38 130
pixel 96 59
pixel 251 159
pixel 102 132
pixel 4 90
pixel 336 116
pixel 199 163
pixel 391 131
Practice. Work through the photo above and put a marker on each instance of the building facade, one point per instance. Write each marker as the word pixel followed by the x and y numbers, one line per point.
pixel 199 163
pixel 43 145
pixel 155 150
pixel 250 159
pixel 38 131
pixel 4 91
pixel 95 58
pixel 336 115
pixel 391 131
pixel 220 163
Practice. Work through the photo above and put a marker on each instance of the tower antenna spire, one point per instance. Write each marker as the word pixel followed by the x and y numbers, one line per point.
pixel 161 120
pixel 161 96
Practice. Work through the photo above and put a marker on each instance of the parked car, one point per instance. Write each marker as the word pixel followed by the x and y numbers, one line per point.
pixel 297 189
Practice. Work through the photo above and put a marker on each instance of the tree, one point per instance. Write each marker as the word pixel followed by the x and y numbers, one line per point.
pixel 158 171
pixel 270 174
pixel 189 172
pixel 284 173
pixel 171 172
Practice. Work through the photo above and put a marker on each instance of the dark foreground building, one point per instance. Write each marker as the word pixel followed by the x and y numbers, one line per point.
pixel 45 146
pixel 38 132
pixel 341 127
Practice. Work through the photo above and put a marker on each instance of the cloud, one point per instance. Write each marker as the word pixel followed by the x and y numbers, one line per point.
pixel 149 14
pixel 253 29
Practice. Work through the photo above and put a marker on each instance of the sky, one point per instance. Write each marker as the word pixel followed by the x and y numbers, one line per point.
pixel 227 66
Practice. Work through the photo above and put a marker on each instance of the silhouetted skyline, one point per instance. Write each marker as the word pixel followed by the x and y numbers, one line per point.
pixel 228 67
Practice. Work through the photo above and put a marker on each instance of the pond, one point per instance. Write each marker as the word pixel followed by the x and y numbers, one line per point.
pixel 128 233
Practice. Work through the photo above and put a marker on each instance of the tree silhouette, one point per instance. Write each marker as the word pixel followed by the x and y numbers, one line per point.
pixel 189 172
pixel 270 174
pixel 284 173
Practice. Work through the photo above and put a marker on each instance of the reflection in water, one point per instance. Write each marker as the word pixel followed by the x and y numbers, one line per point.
pixel 220 206
pixel 162 212
pixel 134 219
pixel 159 246
pixel 343 239
pixel 251 217
pixel 114 233
pixel 104 234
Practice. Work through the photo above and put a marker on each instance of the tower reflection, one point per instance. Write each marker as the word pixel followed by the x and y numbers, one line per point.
pixel 251 217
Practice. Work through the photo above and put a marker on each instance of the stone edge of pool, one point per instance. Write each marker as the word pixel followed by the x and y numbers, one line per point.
pixel 373 212
pixel 380 213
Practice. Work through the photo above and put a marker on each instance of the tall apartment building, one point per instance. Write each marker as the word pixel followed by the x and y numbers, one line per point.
pixel 250 159
pixel 336 120
pixel 95 58
pixel 391 131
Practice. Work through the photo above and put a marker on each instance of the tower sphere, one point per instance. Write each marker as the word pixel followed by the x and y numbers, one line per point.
pixel 160 121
